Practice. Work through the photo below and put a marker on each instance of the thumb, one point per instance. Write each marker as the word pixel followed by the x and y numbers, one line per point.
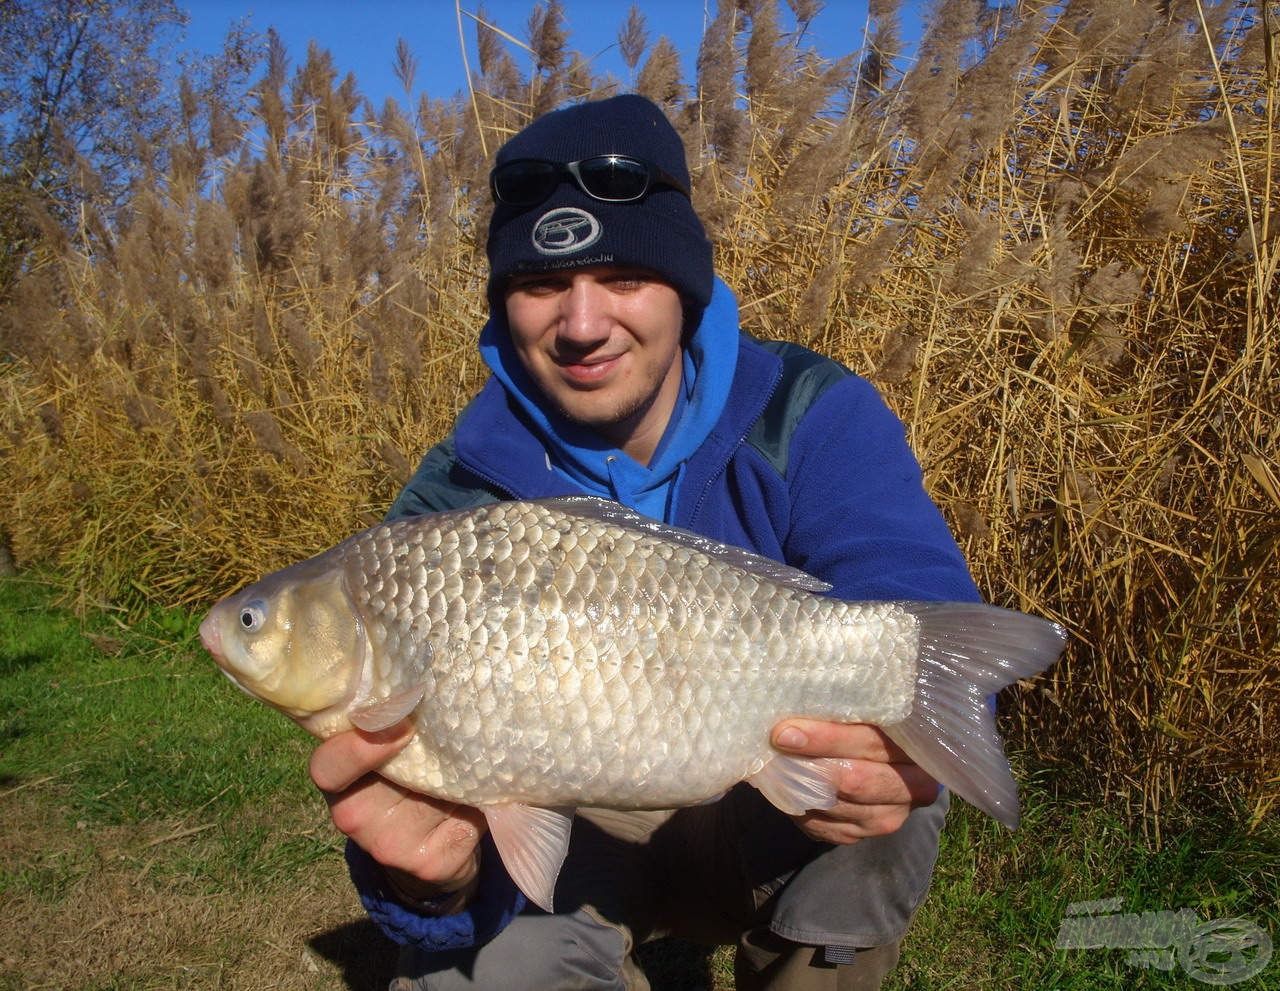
pixel 345 758
pixel 819 738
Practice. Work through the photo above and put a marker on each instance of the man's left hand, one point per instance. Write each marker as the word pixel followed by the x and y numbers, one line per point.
pixel 878 787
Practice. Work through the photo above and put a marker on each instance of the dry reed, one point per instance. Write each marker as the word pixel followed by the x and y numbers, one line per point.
pixel 1051 242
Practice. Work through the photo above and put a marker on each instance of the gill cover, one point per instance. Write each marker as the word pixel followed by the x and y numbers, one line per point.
pixel 293 639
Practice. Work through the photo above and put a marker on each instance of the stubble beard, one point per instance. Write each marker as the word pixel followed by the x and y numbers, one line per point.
pixel 612 425
pixel 619 425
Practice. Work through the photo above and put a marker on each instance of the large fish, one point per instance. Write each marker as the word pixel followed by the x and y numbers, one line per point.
pixel 569 652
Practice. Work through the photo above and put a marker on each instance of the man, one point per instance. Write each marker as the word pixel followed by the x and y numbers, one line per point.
pixel 619 370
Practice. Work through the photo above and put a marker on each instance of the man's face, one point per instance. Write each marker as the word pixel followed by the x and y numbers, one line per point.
pixel 603 345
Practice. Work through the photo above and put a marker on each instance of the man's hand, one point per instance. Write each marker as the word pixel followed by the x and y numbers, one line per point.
pixel 428 847
pixel 877 788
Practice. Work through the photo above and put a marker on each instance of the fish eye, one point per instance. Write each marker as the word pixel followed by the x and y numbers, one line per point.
pixel 252 616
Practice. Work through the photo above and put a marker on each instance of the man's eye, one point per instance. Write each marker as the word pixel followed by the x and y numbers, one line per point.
pixel 625 282
pixel 537 286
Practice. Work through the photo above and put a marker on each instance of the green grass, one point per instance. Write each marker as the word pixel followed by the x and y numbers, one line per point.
pixel 999 899
pixel 132 724
pixel 133 773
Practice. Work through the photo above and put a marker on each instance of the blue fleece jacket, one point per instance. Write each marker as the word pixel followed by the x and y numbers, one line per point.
pixel 825 483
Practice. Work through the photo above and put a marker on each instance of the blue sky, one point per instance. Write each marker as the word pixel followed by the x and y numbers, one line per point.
pixel 361 34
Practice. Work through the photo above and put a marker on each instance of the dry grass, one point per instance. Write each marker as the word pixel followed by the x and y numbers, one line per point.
pixel 1051 241
pixel 119 916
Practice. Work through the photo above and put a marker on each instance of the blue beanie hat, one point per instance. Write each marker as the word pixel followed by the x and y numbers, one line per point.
pixel 570 229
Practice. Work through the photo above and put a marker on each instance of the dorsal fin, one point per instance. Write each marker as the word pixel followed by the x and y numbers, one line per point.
pixel 606 511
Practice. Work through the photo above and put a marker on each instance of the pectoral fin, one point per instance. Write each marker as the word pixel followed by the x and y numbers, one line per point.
pixel 798 784
pixel 404 690
pixel 533 842
pixel 373 715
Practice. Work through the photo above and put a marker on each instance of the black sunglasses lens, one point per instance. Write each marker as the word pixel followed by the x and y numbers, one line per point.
pixel 611 177
pixel 525 183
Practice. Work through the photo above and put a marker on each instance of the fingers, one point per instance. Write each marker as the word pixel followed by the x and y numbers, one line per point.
pixel 342 760
pixel 847 823
pixel 878 770
pixel 878 784
pixel 816 738
pixel 429 846
pixel 874 782
pixel 430 841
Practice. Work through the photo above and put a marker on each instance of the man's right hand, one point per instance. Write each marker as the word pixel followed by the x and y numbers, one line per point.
pixel 429 848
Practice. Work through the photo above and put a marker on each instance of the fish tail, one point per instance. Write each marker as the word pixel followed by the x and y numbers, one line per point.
pixel 969 651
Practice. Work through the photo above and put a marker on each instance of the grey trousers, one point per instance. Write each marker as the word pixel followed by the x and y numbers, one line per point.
pixel 632 877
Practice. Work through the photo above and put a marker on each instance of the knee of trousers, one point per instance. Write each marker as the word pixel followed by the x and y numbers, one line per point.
pixel 534 953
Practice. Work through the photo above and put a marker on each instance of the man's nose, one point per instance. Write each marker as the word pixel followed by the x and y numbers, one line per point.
pixel 584 317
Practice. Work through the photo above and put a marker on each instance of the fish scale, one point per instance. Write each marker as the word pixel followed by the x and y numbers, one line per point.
pixel 563 653
pixel 630 672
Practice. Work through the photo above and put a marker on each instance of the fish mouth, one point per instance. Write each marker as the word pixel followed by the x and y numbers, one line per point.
pixel 211 636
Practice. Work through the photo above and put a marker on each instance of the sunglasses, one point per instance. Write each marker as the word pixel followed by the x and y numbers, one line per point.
pixel 610 178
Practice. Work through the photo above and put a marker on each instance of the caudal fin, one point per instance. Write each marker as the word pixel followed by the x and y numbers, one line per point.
pixel 967 652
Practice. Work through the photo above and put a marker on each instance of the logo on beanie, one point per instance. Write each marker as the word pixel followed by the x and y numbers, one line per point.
pixel 565 229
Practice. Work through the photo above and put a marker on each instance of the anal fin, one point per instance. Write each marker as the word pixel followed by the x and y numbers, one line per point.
pixel 532 842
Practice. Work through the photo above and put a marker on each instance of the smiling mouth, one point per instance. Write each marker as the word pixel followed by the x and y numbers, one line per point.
pixel 587 369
